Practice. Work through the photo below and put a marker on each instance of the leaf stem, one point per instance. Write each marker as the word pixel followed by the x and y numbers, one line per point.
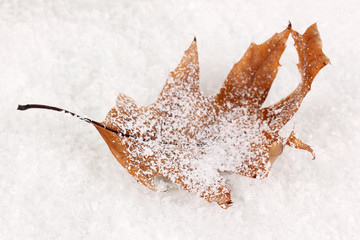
pixel 88 120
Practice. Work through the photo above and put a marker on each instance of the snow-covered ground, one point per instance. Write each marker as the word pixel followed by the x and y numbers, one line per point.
pixel 58 180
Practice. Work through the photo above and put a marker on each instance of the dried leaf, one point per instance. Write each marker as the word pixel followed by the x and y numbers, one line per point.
pixel 191 139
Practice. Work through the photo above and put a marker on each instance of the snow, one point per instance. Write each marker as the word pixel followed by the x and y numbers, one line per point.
pixel 58 179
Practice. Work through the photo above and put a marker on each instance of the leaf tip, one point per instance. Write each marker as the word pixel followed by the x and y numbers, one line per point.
pixel 226 204
pixel 327 62
pixel 289 25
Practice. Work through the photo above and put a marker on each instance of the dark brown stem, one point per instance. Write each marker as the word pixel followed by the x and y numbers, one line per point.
pixel 88 120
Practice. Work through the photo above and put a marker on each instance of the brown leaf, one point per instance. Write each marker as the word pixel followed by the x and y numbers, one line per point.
pixel 191 139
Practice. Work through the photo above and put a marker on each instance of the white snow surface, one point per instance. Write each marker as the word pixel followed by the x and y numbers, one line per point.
pixel 58 179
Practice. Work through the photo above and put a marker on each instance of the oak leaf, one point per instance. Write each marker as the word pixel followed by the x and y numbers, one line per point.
pixel 191 139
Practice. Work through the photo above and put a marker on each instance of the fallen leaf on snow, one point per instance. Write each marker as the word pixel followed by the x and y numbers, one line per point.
pixel 191 139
